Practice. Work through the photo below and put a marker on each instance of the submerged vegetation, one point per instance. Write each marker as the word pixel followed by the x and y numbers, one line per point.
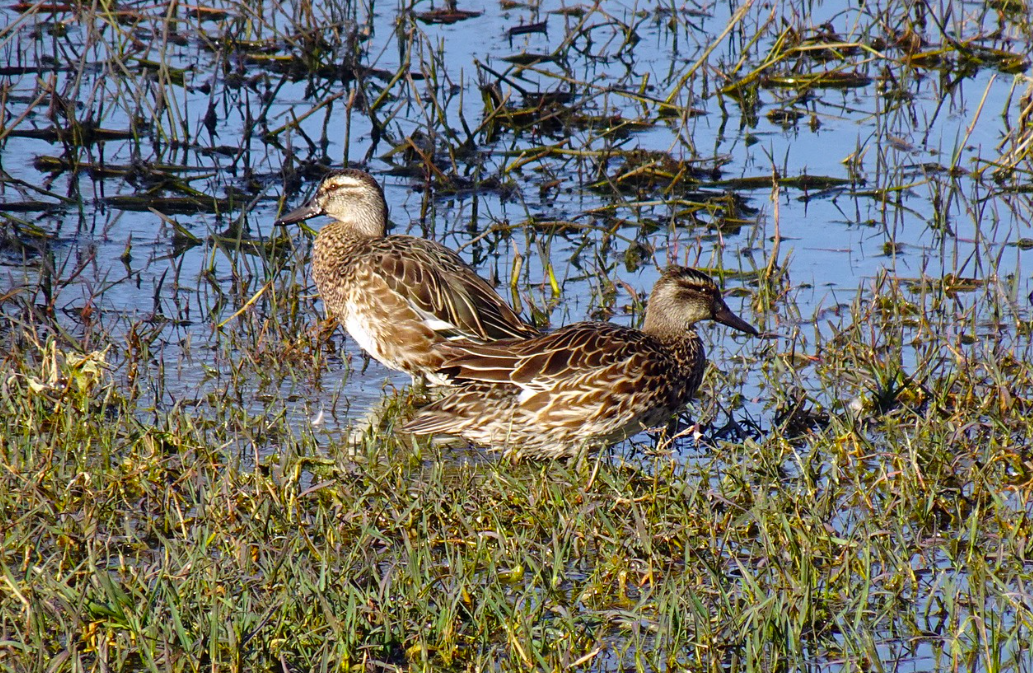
pixel 187 481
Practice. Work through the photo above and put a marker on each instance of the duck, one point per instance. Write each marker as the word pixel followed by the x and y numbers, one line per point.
pixel 398 296
pixel 584 386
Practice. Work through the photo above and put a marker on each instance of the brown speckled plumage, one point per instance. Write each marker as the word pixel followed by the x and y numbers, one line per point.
pixel 396 295
pixel 585 385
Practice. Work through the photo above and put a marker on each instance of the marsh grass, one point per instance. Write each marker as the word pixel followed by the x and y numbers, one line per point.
pixel 180 488
pixel 898 528
pixel 151 546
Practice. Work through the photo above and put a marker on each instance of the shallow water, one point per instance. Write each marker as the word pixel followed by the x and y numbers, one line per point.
pixel 901 215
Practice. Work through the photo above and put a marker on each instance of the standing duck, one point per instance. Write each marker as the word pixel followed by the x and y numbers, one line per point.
pixel 585 385
pixel 397 296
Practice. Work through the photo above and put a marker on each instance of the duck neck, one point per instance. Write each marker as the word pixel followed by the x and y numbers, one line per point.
pixel 663 325
pixel 345 229
pixel 358 224
pixel 335 242
pixel 682 343
pixel 678 337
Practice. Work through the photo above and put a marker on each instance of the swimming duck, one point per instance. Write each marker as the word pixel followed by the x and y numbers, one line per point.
pixel 585 385
pixel 397 296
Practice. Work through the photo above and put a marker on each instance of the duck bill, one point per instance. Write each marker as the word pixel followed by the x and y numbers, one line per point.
pixel 306 211
pixel 725 316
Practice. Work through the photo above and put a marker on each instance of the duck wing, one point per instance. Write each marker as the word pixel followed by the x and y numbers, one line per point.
pixel 586 379
pixel 450 298
pixel 567 358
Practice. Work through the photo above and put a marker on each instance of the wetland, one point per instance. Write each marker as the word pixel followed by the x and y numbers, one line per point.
pixel 199 471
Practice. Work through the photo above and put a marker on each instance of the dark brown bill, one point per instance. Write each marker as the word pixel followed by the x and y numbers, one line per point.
pixel 306 211
pixel 725 316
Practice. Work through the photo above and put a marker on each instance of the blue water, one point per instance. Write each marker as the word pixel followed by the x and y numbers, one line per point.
pixel 903 216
